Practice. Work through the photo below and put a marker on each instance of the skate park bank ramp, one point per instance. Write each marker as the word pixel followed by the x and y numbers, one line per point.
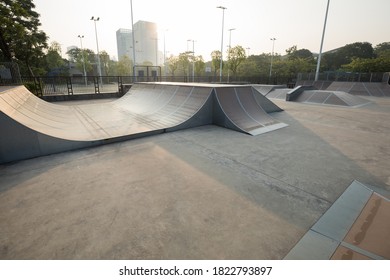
pixel 32 127
pixel 366 89
pixel 327 97
pixel 309 95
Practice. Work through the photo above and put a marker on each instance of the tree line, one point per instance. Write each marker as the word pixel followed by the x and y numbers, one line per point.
pixel 22 41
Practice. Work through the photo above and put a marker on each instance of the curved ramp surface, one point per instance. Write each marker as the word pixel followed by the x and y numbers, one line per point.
pixel 143 109
pixel 338 98
pixel 239 109
pixel 358 88
pixel 34 127
pixel 265 89
pixel 278 93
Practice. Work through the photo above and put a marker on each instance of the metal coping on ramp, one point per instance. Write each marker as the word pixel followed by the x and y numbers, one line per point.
pixel 35 127
pixel 356 226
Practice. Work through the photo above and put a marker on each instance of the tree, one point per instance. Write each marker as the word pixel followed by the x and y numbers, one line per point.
pixel 82 57
pixel 216 57
pixel 53 56
pixel 105 60
pixel 382 49
pixel 335 59
pixel 20 37
pixel 124 66
pixel 199 65
pixel 298 61
pixel 256 65
pixel 290 51
pixel 381 63
pixel 236 56
pixel 173 64
pixel 184 62
pixel 294 53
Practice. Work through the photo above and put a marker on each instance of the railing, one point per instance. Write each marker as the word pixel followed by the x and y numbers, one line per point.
pixel 343 77
pixel 65 85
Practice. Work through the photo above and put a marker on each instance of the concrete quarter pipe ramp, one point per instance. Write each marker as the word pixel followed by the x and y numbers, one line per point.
pixel 368 89
pixel 32 127
pixel 240 110
pixel 338 98
pixel 322 97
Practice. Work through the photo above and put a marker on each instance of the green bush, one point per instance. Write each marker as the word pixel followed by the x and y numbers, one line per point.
pixel 34 88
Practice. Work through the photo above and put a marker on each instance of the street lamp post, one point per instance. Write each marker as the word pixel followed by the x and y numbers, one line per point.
pixel 230 46
pixel 322 42
pixel 223 22
pixel 97 47
pixel 272 57
pixel 82 54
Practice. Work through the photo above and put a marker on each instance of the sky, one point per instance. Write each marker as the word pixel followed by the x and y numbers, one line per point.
pixel 291 22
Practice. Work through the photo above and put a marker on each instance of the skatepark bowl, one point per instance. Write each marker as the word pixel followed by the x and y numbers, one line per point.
pixel 236 176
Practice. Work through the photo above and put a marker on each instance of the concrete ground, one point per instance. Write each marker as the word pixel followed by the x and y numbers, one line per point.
pixel 201 193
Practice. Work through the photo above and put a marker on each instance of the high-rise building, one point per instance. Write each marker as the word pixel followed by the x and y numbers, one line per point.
pixel 124 43
pixel 146 43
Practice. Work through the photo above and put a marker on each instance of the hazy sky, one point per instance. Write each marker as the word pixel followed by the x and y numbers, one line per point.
pixel 291 22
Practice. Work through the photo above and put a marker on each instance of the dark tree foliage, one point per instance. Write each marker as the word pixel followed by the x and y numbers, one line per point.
pixel 382 49
pixel 20 37
pixel 334 60
pixel 294 53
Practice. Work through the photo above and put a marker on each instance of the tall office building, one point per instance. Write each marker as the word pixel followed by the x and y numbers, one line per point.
pixel 146 43
pixel 124 43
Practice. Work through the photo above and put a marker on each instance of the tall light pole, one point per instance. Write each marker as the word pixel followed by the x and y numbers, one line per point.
pixel 322 42
pixel 230 46
pixel 193 59
pixel 133 39
pixel 272 57
pixel 82 54
pixel 97 47
pixel 223 22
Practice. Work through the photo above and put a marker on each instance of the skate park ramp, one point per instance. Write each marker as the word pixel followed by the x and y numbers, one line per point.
pixel 359 88
pixel 36 128
pixel 265 89
pixel 241 108
pixel 355 227
pixel 272 91
pixel 323 97
pixel 313 96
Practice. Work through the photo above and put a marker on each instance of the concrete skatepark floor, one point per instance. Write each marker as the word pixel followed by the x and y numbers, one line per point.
pixel 199 193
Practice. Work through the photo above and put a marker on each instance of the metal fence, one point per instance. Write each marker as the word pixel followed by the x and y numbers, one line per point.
pixel 9 73
pixel 343 77
pixel 65 85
